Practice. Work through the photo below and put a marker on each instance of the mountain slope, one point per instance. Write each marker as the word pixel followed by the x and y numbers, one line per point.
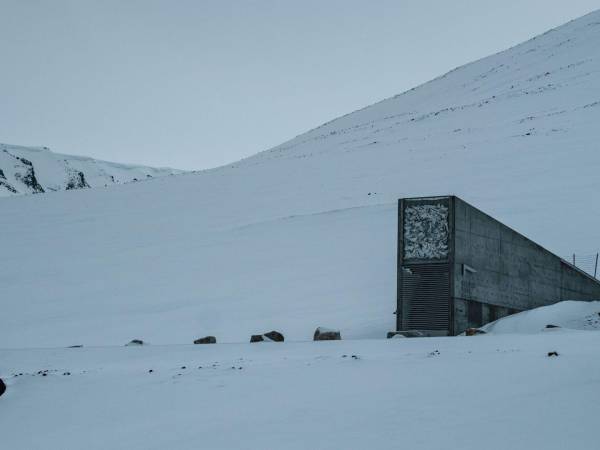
pixel 304 234
pixel 33 170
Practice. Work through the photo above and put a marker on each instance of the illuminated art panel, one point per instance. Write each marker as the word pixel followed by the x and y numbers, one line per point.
pixel 426 232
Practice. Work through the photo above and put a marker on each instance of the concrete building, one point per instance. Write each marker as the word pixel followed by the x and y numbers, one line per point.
pixel 460 268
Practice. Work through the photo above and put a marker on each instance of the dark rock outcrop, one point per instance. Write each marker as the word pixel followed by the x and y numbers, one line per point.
pixel 5 183
pixel 2 387
pixel 206 340
pixel 28 179
pixel 77 181
pixel 552 326
pixel 8 187
pixel 327 334
pixel 134 342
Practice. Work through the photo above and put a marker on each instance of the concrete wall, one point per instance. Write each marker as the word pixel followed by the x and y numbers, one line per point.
pixel 506 272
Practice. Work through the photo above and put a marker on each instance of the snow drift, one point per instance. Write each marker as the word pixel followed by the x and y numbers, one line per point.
pixel 572 315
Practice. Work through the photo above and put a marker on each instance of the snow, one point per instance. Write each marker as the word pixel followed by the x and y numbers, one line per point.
pixel 491 391
pixel 55 171
pixel 301 235
pixel 567 314
pixel 120 270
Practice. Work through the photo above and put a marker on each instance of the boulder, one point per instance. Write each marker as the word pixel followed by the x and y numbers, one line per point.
pixel 473 331
pixel 274 336
pixel 327 334
pixel 206 340
pixel 134 342
pixel 2 387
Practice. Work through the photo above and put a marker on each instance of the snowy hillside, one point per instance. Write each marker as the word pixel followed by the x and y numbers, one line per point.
pixel 33 170
pixel 304 235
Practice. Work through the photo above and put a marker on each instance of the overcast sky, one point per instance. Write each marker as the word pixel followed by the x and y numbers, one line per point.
pixel 196 84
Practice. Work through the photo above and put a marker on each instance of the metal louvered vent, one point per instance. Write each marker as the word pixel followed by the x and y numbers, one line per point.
pixel 426 296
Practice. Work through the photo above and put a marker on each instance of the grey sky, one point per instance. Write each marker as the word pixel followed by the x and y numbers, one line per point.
pixel 195 84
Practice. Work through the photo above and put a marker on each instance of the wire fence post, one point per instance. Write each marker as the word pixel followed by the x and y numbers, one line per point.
pixel 574 259
pixel 596 267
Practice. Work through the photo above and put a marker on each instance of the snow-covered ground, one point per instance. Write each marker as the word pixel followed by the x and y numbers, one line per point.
pixel 520 386
pixel 300 236
pixel 33 170
pixel 492 391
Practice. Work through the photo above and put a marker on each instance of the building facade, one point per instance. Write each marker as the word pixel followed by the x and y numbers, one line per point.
pixel 460 268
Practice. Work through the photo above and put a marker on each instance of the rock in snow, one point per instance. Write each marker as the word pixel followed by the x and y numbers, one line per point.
pixel 473 331
pixel 274 336
pixel 134 342
pixel 2 387
pixel 327 334
pixel 206 340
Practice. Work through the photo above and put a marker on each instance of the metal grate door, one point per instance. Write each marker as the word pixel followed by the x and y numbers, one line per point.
pixel 426 296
